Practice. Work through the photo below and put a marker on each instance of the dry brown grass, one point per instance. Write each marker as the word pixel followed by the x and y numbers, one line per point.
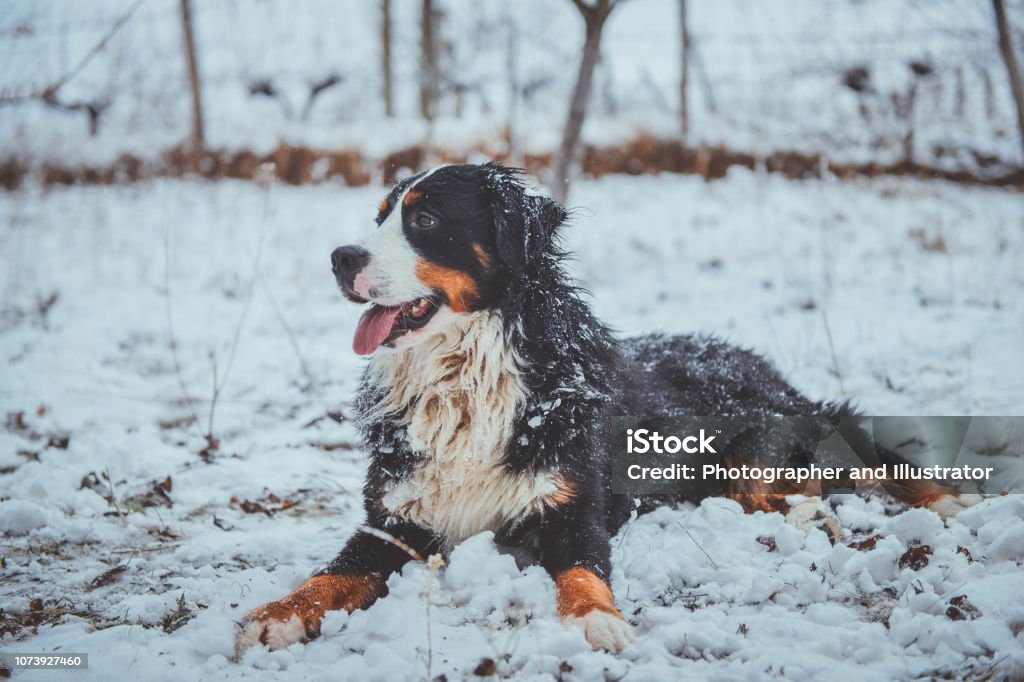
pixel 643 155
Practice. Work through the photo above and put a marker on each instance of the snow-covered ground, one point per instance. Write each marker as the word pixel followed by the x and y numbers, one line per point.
pixel 127 542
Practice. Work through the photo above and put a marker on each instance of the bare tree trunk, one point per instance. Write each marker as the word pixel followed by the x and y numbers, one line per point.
pixel 385 39
pixel 428 61
pixel 594 17
pixel 1010 59
pixel 990 95
pixel 684 70
pixel 702 74
pixel 198 136
pixel 514 89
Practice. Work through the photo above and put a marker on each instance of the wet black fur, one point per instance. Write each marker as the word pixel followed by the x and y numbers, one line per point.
pixel 578 375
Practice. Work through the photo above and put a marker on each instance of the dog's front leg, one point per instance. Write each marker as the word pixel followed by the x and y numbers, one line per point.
pixel 575 551
pixel 354 580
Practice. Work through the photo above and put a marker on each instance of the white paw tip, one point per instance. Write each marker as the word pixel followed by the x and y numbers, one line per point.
pixel 949 506
pixel 248 636
pixel 276 634
pixel 814 514
pixel 604 630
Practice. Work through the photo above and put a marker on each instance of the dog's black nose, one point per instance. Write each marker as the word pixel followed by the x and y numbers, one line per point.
pixel 346 261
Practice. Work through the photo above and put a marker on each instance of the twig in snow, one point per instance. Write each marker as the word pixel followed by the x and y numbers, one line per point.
pixel 832 350
pixel 944 595
pixel 213 400
pixel 434 563
pixel 139 550
pixel 220 383
pixel 303 365
pixel 113 495
pixel 987 673
pixel 170 331
pixel 698 544
pixel 626 526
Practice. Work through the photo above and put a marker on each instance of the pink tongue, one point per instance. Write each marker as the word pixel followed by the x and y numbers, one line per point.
pixel 374 326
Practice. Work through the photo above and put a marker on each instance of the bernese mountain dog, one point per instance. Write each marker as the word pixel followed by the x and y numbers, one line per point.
pixel 487 397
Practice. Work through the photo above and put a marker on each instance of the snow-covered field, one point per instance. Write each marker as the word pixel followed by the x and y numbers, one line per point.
pixel 130 542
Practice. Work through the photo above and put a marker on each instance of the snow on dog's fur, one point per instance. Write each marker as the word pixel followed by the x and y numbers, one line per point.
pixel 487 401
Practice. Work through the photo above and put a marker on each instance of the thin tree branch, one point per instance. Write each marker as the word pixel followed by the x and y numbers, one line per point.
pixel 219 385
pixel 170 331
pixel 583 7
pixel 50 91
pixel 294 342
pixel 832 350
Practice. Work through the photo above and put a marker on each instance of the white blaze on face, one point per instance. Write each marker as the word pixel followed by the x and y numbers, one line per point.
pixel 390 276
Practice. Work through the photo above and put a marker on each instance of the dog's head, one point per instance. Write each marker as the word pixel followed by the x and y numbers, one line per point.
pixel 449 241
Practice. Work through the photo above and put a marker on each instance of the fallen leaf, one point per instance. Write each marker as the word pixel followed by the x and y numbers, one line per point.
pixel 916 557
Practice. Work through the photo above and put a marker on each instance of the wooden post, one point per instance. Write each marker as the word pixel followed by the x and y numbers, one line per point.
pixel 514 88
pixel 428 61
pixel 684 70
pixel 594 17
pixel 385 39
pixel 1010 59
pixel 198 136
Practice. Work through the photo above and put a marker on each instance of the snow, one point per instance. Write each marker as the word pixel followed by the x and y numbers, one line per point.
pixel 758 259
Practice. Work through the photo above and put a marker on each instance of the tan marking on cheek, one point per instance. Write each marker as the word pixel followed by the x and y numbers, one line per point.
pixel 412 197
pixel 458 287
pixel 564 493
pixel 383 205
pixel 580 592
pixel 482 257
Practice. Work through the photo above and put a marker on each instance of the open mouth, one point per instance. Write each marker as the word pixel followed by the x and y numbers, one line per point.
pixel 382 325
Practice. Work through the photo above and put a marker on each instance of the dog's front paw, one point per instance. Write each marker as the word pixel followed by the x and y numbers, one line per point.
pixel 948 506
pixel 296 618
pixel 814 513
pixel 586 601
pixel 277 625
pixel 604 630
pixel 275 633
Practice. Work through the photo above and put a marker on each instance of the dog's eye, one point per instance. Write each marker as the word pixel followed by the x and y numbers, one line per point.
pixel 425 221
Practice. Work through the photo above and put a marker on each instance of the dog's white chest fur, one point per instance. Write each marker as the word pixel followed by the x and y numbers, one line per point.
pixel 461 392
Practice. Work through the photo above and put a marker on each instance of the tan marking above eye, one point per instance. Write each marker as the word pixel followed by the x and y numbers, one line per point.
pixel 459 288
pixel 383 205
pixel 580 592
pixel 482 256
pixel 412 197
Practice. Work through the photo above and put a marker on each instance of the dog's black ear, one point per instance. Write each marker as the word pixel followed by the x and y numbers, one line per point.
pixel 525 222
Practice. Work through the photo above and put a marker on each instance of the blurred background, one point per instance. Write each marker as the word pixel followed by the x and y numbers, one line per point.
pixel 357 91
